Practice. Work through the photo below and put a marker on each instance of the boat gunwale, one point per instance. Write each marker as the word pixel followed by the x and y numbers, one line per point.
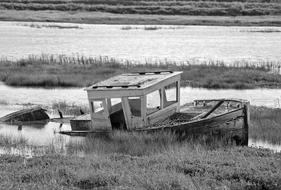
pixel 193 121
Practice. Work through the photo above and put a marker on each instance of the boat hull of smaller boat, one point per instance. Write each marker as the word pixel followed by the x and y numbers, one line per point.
pixel 26 115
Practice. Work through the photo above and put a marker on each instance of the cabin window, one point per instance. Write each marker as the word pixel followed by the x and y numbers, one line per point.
pixel 170 96
pixel 97 106
pixel 115 101
pixel 114 105
pixel 135 106
pixel 153 102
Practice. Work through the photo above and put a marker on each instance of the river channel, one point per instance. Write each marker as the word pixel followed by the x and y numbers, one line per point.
pixel 141 43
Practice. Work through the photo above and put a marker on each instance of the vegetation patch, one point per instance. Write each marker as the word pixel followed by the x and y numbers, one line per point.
pixel 178 168
pixel 266 124
pixel 63 71
pixel 162 7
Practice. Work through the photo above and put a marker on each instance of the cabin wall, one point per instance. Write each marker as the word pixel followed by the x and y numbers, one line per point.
pixel 99 119
pixel 135 111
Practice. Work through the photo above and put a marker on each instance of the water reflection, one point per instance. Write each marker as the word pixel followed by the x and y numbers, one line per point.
pixel 264 144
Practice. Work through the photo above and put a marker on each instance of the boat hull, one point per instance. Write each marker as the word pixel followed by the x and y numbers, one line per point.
pixel 26 115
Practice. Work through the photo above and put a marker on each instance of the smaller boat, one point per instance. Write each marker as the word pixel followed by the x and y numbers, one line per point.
pixel 34 114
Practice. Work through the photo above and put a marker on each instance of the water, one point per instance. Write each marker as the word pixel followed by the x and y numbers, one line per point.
pixel 13 99
pixel 176 43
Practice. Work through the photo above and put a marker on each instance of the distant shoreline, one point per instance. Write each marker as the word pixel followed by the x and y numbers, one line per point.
pixel 135 19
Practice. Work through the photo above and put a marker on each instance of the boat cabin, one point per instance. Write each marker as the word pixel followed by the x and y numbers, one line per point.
pixel 134 100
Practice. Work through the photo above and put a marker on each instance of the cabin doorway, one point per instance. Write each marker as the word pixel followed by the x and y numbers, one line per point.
pixel 116 116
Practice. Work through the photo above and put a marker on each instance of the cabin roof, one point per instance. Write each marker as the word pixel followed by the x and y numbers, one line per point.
pixel 137 80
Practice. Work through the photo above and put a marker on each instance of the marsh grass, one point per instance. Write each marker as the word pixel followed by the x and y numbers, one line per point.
pixel 185 7
pixel 266 124
pixel 13 141
pixel 63 71
pixel 70 109
pixel 182 168
pixel 143 144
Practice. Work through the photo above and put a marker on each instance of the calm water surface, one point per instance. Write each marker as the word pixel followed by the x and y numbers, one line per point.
pixel 176 43
pixel 13 99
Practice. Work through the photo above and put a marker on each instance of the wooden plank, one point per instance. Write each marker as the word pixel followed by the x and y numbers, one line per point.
pixel 127 112
pixel 213 109
pixel 100 120
pixel 220 99
pixel 84 133
pixel 246 122
pixel 143 109
pixel 129 79
pixel 208 122
pixel 178 95
pixel 109 107
pixel 161 114
pixel 162 92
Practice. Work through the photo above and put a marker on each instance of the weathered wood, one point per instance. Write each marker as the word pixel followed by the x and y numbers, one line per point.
pixel 125 92
pixel 81 123
pixel 100 120
pixel 213 109
pixel 134 80
pixel 220 99
pixel 84 133
pixel 143 110
pixel 246 110
pixel 207 122
pixel 127 112
pixel 26 115
pixel 161 114
pixel 178 95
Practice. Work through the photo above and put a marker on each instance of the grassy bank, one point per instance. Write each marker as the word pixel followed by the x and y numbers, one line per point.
pixel 62 71
pixel 144 19
pixel 266 124
pixel 184 167
pixel 184 12
pixel 162 7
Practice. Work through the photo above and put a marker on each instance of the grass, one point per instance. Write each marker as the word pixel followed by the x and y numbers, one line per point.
pixel 184 7
pixel 133 19
pixel 266 124
pixel 63 71
pixel 12 141
pixel 181 168
pixel 72 109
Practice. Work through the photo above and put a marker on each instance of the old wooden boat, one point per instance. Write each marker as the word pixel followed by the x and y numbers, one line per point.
pixel 150 101
pixel 33 114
